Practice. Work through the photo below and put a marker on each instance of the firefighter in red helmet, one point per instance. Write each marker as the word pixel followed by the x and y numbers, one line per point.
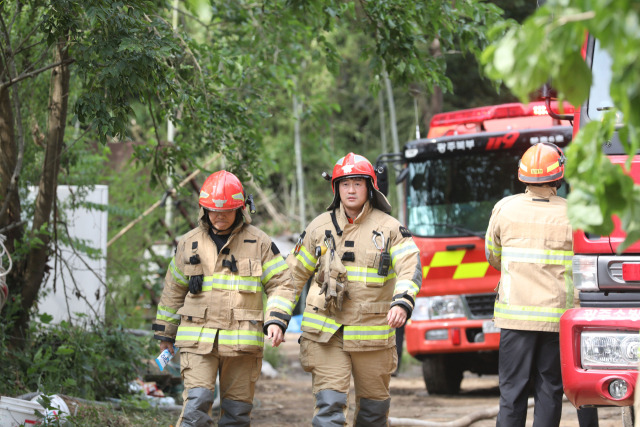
pixel 212 305
pixel 367 274
pixel 530 240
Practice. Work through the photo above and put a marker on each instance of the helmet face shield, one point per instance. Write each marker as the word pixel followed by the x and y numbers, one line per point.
pixel 541 163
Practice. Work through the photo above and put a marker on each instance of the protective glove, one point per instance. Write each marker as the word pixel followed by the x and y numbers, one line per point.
pixel 341 290
pixel 195 283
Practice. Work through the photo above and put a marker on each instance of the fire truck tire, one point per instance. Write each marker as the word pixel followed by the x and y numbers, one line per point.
pixel 442 375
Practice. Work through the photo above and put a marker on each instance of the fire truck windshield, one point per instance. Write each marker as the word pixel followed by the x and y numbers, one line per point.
pixel 599 97
pixel 454 196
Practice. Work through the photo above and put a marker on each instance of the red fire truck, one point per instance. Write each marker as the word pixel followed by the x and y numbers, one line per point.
pixel 453 178
pixel 599 341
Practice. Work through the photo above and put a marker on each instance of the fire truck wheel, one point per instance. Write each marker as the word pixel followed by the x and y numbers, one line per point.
pixel 442 374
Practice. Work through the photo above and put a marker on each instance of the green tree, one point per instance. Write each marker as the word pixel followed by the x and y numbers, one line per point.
pixel 548 46
pixel 74 74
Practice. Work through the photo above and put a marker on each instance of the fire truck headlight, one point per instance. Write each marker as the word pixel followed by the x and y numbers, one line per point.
pixel 440 307
pixel 609 350
pixel 585 273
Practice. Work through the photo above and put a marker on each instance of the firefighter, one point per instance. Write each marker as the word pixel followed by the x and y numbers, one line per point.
pixel 530 240
pixel 367 274
pixel 212 304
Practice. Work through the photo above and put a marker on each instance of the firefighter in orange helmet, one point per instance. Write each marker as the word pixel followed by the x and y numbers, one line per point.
pixel 530 240
pixel 212 305
pixel 367 274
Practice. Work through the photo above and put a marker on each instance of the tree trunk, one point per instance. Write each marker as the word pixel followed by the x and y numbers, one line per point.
pixel 39 254
pixel 396 143
pixel 298 151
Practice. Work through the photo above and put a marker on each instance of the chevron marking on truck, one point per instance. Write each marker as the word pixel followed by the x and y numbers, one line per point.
pixel 444 260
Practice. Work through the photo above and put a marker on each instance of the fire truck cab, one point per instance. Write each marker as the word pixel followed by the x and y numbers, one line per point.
pixel 599 341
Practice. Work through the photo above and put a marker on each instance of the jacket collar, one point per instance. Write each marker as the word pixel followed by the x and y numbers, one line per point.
pixel 342 215
pixel 542 192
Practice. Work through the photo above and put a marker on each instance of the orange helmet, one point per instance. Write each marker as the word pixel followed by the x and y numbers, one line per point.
pixel 357 166
pixel 222 191
pixel 353 166
pixel 541 163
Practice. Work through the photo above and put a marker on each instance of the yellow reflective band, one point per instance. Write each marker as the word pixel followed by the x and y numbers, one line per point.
pixel 195 333
pixel 273 267
pixel 307 260
pixel 241 337
pixel 488 244
pixel 168 314
pixel 176 273
pixel 531 313
pixel 471 270
pixel 556 165
pixel 366 275
pixel 367 333
pixel 538 256
pixel 401 250
pixel 322 323
pixel 281 303
pixel 406 285
pixel 447 258
pixel 232 283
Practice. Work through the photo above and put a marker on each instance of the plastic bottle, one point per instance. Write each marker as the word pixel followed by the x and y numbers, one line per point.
pixel 164 358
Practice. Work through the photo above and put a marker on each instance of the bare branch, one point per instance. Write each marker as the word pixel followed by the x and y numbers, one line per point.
pixel 36 72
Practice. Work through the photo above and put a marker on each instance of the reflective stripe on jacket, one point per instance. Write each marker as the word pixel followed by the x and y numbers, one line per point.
pixel 529 239
pixel 230 306
pixel 363 317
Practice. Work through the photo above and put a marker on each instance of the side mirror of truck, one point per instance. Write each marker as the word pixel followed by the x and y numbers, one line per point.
pixel 382 175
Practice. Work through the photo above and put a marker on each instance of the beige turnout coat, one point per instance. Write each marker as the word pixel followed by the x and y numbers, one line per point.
pixel 529 239
pixel 363 316
pixel 230 306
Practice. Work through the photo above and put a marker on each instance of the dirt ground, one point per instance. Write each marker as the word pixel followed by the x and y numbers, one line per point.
pixel 287 399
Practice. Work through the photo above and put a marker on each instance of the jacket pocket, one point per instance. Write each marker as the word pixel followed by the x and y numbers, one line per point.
pixel 249 275
pixel 192 269
pixel 191 326
pixel 249 336
pixel 371 279
pixel 374 312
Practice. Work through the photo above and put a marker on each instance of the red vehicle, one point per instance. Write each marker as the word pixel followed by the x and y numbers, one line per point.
pixel 599 341
pixel 454 177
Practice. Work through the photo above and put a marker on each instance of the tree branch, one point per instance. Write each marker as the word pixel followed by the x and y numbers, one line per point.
pixel 35 72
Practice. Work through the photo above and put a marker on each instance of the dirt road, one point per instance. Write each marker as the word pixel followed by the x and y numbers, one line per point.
pixel 287 400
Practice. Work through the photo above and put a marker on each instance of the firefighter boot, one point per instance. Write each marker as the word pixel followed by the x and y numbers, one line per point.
pixel 196 408
pixel 331 406
pixel 235 413
pixel 373 413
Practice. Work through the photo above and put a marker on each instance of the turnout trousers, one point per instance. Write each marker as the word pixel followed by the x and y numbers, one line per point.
pixel 238 376
pixel 529 361
pixel 331 369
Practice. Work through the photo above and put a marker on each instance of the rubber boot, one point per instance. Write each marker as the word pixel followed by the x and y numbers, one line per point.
pixel 330 409
pixel 373 413
pixel 196 409
pixel 235 413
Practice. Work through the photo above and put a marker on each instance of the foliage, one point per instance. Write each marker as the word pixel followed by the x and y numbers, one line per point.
pixel 273 355
pixel 548 45
pixel 94 363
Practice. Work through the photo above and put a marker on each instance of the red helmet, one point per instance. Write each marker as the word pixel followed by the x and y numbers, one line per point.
pixel 353 166
pixel 541 163
pixel 222 191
